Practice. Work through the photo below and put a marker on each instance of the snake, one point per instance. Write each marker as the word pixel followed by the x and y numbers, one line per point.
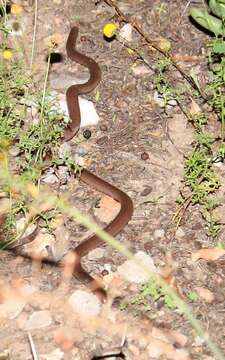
pixel 87 177
pixel 126 205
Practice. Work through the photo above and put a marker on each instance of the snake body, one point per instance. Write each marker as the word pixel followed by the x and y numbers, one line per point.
pixel 87 177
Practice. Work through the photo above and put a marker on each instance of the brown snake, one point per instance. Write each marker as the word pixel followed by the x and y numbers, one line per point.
pixel 86 176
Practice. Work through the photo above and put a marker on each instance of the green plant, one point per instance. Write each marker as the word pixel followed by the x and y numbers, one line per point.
pixel 162 84
pixel 152 289
pixel 210 22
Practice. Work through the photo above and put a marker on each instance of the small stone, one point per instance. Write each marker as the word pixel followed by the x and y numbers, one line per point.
pixel 49 178
pixel 205 294
pixel 84 303
pixel 14 151
pixel 38 320
pixel 159 233
pixel 103 127
pixel 126 32
pixel 96 254
pixel 87 134
pixel 56 354
pixel 144 156
pixel 147 190
pixel 154 350
pixel 139 70
pixel 130 271
pixel 64 150
pixel 88 112
pixel 63 174
pixel 180 233
pixel 104 272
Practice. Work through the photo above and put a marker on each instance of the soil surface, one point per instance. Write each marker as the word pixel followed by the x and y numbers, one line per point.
pixel 132 123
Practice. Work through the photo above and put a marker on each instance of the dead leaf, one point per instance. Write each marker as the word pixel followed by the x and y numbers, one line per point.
pixel 108 209
pixel 187 58
pixel 208 254
pixel 194 108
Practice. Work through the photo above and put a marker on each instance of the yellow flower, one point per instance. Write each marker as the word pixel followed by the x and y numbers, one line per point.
pixel 109 30
pixel 7 54
pixel 16 9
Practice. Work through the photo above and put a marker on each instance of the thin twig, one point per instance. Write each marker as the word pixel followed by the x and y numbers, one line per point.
pixel 32 347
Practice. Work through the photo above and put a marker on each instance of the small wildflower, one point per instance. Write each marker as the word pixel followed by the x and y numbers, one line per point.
pixel 7 54
pixel 16 9
pixel 109 30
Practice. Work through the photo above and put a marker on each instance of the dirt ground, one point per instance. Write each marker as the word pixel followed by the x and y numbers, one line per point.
pixel 131 123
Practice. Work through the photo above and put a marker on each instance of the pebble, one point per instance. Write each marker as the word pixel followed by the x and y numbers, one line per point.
pixel 159 233
pixel 12 307
pixel 38 320
pixel 64 150
pixel 84 303
pixel 49 178
pixel 126 32
pixel 147 190
pixel 130 271
pixel 144 156
pixel 96 254
pixel 103 127
pixel 14 151
pixel 56 354
pixel 180 233
pixel 63 174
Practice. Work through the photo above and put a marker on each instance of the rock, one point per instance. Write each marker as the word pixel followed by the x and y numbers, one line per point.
pixel 107 210
pixel 154 349
pixel 141 70
pixel 38 320
pixel 63 174
pixel 130 271
pixel 49 177
pixel 126 32
pixel 159 101
pixel 14 151
pixel 84 303
pixel 159 233
pixel 41 245
pixel 12 307
pixel 64 150
pixel 21 223
pixel 56 354
pixel 96 254
pixel 205 294
pixel 88 113
pixel 180 233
